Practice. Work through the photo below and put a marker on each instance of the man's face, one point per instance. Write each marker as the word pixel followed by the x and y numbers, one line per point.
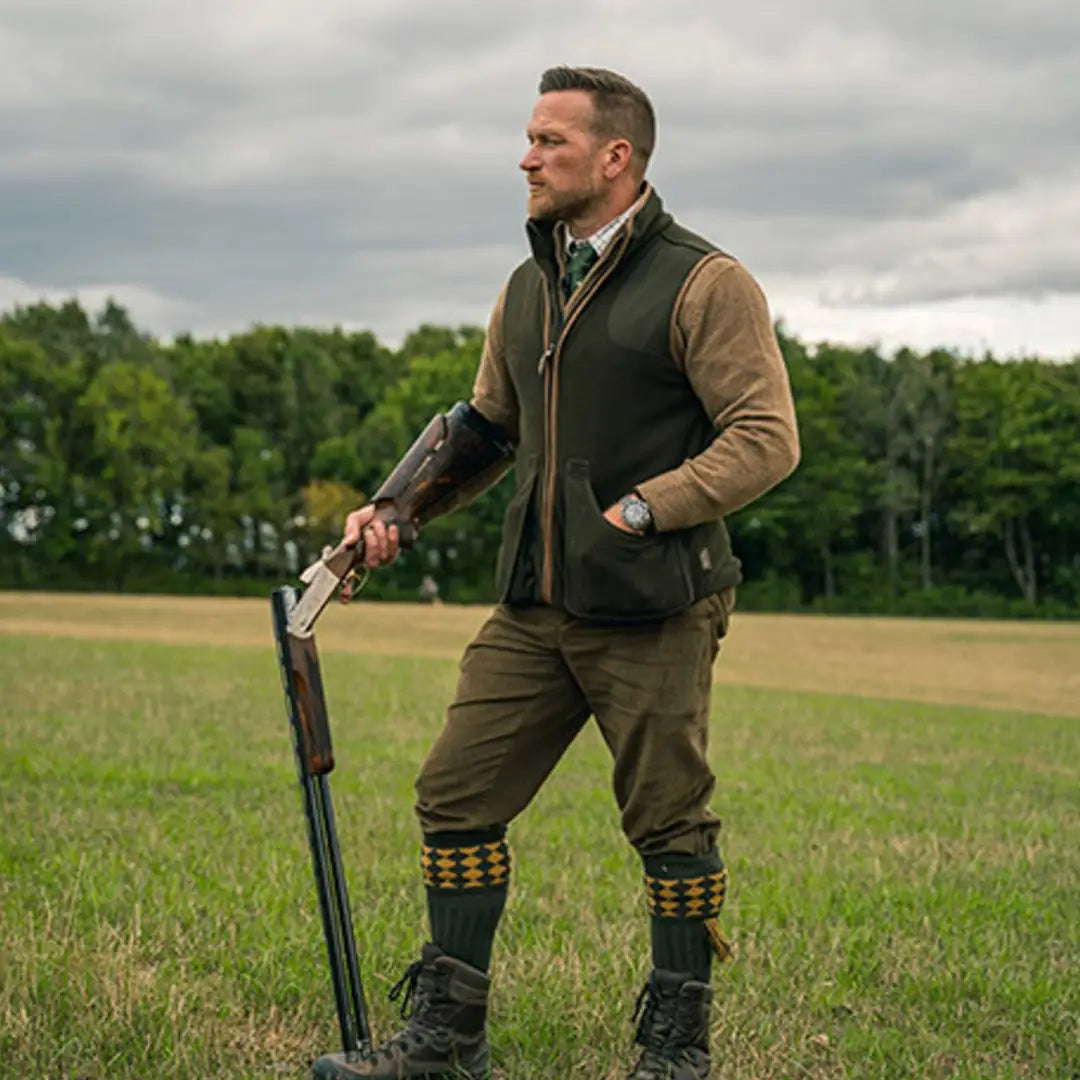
pixel 564 162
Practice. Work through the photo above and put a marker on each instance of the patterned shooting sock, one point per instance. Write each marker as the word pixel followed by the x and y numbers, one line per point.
pixel 466 875
pixel 685 894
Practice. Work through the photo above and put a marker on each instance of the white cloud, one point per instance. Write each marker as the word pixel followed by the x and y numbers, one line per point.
pixel 147 308
pixel 1004 325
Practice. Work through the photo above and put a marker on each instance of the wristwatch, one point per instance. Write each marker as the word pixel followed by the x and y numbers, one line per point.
pixel 636 513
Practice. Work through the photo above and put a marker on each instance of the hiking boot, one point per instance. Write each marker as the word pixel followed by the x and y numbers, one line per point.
pixel 444 1006
pixel 673 1028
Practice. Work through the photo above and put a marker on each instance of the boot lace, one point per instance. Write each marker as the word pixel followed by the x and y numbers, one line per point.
pixel 416 989
pixel 655 1018
pixel 406 983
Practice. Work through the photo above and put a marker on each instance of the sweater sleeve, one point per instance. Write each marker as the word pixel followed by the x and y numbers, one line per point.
pixel 493 391
pixel 723 339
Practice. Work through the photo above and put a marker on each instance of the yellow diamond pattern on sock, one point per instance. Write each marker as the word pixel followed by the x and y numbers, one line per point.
pixel 498 860
pixel 476 866
pixel 686 898
pixel 472 872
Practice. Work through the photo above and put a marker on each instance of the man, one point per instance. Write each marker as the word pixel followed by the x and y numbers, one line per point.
pixel 635 369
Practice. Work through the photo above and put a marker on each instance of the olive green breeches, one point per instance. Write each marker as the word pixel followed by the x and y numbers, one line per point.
pixel 529 682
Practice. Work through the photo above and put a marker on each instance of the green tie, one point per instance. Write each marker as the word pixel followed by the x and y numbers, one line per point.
pixel 582 256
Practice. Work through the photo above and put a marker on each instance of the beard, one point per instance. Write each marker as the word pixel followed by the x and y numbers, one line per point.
pixel 564 205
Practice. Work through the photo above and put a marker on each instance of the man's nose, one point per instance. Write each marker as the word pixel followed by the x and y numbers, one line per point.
pixel 530 161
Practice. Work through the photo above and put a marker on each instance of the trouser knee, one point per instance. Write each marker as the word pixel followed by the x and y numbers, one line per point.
pixel 445 806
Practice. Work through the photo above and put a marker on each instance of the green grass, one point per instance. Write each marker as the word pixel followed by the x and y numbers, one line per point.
pixel 904 898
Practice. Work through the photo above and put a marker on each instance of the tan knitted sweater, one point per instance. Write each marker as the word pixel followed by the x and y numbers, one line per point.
pixel 723 340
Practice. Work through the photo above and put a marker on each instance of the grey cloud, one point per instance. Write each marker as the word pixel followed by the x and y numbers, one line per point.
pixel 843 191
pixel 336 158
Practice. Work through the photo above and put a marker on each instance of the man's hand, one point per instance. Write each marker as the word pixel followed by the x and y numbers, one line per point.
pixel 380 542
pixel 613 514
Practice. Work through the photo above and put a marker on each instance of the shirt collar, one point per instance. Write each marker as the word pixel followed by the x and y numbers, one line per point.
pixel 601 239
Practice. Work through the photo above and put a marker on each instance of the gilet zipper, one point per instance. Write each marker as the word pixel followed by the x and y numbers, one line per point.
pixel 554 338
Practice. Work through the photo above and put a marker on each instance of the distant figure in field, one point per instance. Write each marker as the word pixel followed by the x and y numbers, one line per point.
pixel 429 590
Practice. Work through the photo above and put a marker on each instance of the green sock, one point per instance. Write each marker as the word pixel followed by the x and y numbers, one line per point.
pixel 466 875
pixel 683 892
pixel 682 945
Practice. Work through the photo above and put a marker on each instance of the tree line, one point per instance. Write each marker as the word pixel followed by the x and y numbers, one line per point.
pixel 930 483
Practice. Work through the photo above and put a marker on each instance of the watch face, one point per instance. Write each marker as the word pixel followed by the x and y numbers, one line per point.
pixel 635 512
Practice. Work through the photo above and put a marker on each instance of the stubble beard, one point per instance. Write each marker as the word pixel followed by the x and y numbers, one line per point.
pixel 565 206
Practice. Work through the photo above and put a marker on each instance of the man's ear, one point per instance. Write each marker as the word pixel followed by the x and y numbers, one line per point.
pixel 617 158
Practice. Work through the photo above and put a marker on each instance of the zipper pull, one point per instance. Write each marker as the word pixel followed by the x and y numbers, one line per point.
pixel 544 358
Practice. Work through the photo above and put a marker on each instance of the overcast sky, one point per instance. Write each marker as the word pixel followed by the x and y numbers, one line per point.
pixel 899 173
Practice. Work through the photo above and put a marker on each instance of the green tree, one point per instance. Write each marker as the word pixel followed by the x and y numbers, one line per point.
pixel 238 456
pixel 39 455
pixel 1015 452
pixel 141 441
pixel 876 417
pixel 824 495
pixel 261 502
pixel 325 505
pixel 925 391
pixel 208 536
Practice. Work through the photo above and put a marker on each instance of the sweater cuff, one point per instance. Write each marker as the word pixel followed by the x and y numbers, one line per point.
pixel 669 503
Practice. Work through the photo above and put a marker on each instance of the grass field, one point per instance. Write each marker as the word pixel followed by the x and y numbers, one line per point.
pixel 902 823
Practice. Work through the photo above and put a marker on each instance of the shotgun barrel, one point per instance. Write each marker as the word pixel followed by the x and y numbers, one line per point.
pixel 305 704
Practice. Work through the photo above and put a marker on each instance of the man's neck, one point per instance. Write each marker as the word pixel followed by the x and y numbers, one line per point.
pixel 583 227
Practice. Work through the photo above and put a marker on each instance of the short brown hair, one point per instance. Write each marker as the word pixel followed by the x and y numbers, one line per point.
pixel 622 110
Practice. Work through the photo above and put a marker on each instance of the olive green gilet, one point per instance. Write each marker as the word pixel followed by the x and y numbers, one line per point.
pixel 604 407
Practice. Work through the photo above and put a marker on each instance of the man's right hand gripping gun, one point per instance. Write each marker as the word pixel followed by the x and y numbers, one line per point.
pixel 457 456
